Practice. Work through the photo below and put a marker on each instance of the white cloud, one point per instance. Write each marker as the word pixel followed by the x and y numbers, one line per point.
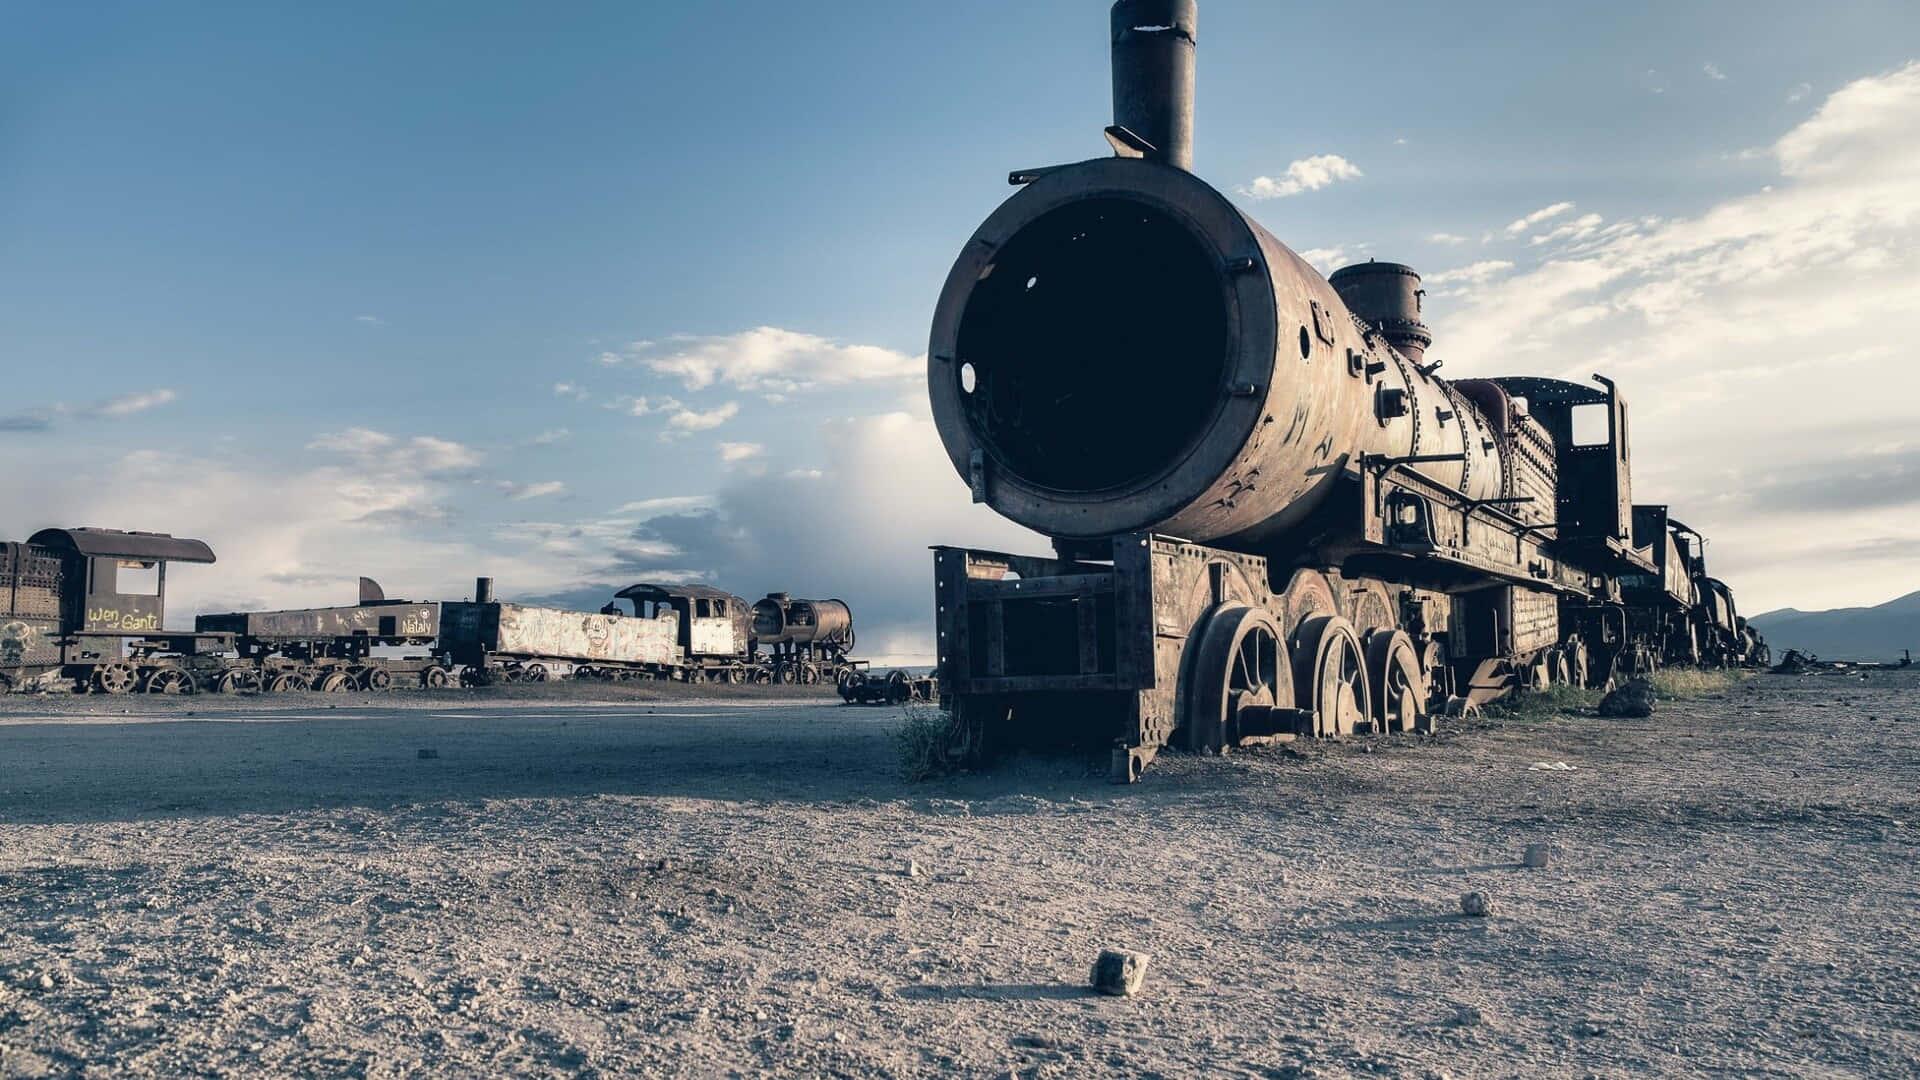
pixel 1307 174
pixel 1446 239
pixel 551 437
pixel 686 421
pixel 570 390
pixel 767 358
pixel 1326 260
pixel 370 320
pixel 1538 216
pixel 1769 326
pixel 1713 72
pixel 672 504
pixel 732 452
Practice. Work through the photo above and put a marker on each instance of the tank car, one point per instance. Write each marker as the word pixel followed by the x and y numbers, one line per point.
pixel 1270 516
pixel 804 641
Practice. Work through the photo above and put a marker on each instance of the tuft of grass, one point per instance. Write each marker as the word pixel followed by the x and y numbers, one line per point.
pixel 1686 682
pixel 925 739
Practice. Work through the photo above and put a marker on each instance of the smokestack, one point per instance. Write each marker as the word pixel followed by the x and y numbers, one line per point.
pixel 1153 44
pixel 483 590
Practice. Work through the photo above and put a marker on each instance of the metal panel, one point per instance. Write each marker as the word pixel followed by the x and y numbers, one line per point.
pixel 713 637
pixel 317 624
pixel 112 543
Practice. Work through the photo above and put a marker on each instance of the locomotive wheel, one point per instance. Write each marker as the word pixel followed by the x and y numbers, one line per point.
pixel 434 678
pixel 762 676
pixel 1559 671
pixel 534 673
pixel 1239 675
pixel 6 683
pixel 1331 672
pixel 334 682
pixel 1308 595
pixel 170 681
pixel 114 678
pixel 287 682
pixel 237 680
pixel 736 675
pixel 1399 686
pixel 473 675
pixel 376 678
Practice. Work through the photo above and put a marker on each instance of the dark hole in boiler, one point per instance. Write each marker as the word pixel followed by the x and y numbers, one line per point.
pixel 1098 346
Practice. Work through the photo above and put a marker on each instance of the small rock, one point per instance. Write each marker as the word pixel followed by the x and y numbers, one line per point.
pixel 913 869
pixel 46 981
pixel 1119 973
pixel 1477 904
pixel 1536 856
pixel 427 753
pixel 1632 700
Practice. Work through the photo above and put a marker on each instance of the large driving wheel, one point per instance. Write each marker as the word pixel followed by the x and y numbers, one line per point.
pixel 1398 684
pixel 1579 668
pixel 1238 677
pixel 287 682
pixel 1331 672
pixel 169 681
pixel 333 682
pixel 534 673
pixel 114 678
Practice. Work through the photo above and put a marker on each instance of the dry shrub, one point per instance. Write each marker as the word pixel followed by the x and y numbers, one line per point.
pixel 1686 682
pixel 924 738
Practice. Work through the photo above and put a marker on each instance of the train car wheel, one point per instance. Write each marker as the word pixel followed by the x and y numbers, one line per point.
pixel 762 676
pixel 435 677
pixel 170 681
pixel 1578 667
pixel 114 678
pixel 1331 674
pixel 287 682
pixel 1395 677
pixel 534 673
pixel 1559 672
pixel 736 675
pixel 376 678
pixel 899 688
pixel 1238 678
pixel 334 682
pixel 474 675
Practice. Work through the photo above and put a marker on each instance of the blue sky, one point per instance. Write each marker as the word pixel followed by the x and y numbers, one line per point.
pixel 303 280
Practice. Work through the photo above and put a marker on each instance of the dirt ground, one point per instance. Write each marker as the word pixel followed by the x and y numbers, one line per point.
pixel 491 884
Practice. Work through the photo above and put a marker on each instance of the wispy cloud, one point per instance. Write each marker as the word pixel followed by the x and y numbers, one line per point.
pixel 128 404
pixel 570 390
pixel 118 407
pixel 1799 93
pixel 1446 239
pixel 521 493
pixel 1472 274
pixel 1538 216
pixel 551 437
pixel 687 421
pixel 1306 174
pixel 370 320
pixel 1713 72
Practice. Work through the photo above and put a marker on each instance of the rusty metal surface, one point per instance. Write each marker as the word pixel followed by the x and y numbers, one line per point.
pixel 124 545
pixel 779 619
pixel 384 621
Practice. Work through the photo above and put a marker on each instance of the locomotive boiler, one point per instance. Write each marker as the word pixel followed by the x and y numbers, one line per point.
pixel 806 641
pixel 1270 516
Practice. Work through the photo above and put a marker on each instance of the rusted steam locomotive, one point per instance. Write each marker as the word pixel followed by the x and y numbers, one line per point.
pixel 1269 516
pixel 85 608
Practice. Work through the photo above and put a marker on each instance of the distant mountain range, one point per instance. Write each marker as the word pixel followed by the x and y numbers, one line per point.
pixel 1861 633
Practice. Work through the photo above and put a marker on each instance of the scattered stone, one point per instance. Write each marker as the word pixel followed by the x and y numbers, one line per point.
pixel 1632 700
pixel 1119 973
pixel 1536 856
pixel 427 753
pixel 1477 904
pixel 913 869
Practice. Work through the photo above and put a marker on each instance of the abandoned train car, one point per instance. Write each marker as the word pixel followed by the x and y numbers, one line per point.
pixel 1270 516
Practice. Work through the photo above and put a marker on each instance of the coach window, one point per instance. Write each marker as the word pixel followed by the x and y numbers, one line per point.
pixel 703 609
pixel 134 578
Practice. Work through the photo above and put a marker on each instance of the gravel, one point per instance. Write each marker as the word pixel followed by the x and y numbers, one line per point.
pixel 715 886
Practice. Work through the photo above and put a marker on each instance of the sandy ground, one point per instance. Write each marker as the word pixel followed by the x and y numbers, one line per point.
pixel 718 887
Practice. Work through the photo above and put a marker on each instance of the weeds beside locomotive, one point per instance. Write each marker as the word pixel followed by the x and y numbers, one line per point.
pixel 1270 516
pixel 85 609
